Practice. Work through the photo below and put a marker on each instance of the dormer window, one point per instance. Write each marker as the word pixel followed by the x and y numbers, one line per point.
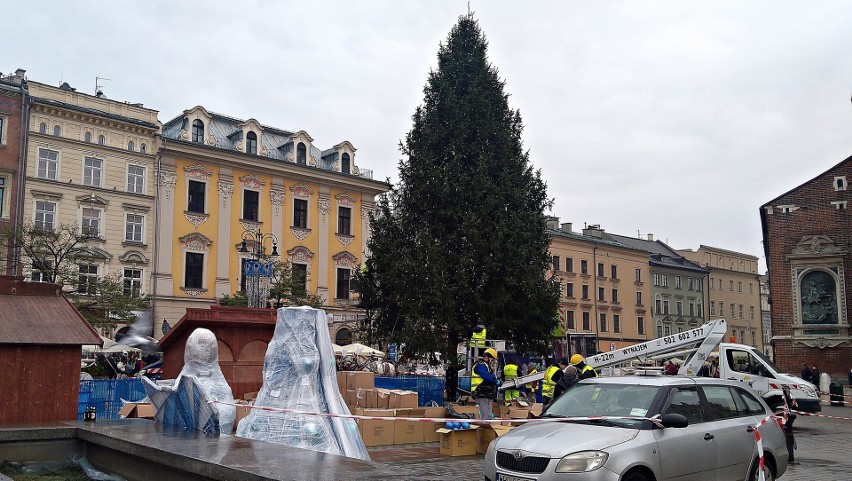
pixel 301 154
pixel 251 143
pixel 197 131
pixel 345 166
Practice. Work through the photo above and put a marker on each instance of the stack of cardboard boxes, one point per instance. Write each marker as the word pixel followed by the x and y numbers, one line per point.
pixel 363 398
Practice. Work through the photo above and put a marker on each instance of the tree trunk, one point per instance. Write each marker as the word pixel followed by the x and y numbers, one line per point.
pixel 451 376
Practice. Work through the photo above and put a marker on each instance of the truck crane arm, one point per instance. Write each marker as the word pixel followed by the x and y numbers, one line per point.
pixel 701 341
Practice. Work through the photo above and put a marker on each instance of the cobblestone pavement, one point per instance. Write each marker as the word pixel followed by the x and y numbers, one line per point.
pixel 824 453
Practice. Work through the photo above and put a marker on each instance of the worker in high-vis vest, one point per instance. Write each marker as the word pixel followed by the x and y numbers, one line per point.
pixel 585 370
pixel 484 384
pixel 548 383
pixel 477 341
pixel 532 388
pixel 510 371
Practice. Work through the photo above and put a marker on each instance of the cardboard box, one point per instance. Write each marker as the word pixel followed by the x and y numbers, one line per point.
pixel 430 434
pixel 382 398
pixel 341 381
pixel 408 432
pixel 461 442
pixel 242 411
pixel 402 399
pixel 350 397
pixel 376 433
pixel 467 410
pixel 490 433
pixel 519 413
pixel 536 409
pixel 137 410
pixel 360 379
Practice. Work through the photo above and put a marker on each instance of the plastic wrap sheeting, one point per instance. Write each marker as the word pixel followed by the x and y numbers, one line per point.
pixel 185 402
pixel 299 373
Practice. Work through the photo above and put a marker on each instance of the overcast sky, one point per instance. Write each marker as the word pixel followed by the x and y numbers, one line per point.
pixel 673 118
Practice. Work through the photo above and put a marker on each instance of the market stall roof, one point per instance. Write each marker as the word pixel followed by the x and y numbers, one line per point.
pixel 361 350
pixel 38 313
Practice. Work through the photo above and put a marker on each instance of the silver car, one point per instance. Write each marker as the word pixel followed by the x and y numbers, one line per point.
pixel 708 434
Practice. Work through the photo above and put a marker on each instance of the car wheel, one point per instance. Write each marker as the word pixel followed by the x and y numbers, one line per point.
pixel 768 471
pixel 635 476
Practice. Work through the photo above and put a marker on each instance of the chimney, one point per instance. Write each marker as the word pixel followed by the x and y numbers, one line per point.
pixel 553 223
pixel 566 227
pixel 593 230
pixel 18 78
pixel 650 236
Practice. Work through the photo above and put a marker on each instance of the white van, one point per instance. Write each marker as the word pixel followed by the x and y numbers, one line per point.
pixel 749 365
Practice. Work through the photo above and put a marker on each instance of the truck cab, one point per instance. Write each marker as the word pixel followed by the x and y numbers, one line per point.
pixel 748 365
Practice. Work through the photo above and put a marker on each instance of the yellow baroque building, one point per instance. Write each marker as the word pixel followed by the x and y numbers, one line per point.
pixel 221 180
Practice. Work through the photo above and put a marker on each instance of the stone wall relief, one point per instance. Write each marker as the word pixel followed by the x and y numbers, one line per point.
pixel 168 180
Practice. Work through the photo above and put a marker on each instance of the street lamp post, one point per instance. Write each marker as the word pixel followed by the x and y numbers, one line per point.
pixel 258 270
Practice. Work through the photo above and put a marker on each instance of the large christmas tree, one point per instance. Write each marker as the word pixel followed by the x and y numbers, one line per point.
pixel 461 240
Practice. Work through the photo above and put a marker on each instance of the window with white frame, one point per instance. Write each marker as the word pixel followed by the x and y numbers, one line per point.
pixel 665 306
pixel 41 270
pixel 57 131
pixel 603 322
pixel 616 323
pixel 345 164
pixel 133 282
pixel 92 171
pixel 87 278
pixel 2 130
pixel 42 128
pixel 342 291
pixel 677 282
pixel 344 221
pixel 665 280
pixel 101 140
pixel 48 164
pixel 87 137
pixel 251 204
pixel 196 192
pixel 135 179
pixel 679 308
pixel 143 149
pixel 194 271
pixel 640 325
pixel 638 275
pixel 131 146
pixel 134 228
pixel 656 278
pixel 658 305
pixel 840 183
pixel 45 215
pixel 197 131
pixel 91 222
pixel 251 143
pixel 300 213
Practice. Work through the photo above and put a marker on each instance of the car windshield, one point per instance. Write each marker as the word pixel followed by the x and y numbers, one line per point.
pixel 596 399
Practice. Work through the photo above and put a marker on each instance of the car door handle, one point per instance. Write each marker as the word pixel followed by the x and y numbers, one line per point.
pixel 750 429
pixel 708 436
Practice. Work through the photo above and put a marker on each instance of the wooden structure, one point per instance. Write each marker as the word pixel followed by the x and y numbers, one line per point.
pixel 243 336
pixel 41 336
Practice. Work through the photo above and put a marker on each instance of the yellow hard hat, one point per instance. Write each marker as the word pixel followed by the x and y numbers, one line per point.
pixel 576 359
pixel 491 352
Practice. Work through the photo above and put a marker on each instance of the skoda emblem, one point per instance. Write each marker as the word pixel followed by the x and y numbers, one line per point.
pixel 519 455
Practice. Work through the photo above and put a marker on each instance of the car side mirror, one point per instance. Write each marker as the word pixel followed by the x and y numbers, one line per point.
pixel 674 421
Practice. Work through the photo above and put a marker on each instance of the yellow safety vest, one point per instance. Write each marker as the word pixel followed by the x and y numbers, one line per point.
pixel 475 379
pixel 478 339
pixel 510 371
pixel 587 369
pixel 549 386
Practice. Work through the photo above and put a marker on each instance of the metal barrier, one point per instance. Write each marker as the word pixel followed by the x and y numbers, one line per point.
pixel 429 388
pixel 107 396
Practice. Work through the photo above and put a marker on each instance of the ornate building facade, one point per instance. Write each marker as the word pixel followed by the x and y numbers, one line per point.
pixel 604 303
pixel 90 163
pixel 224 180
pixel 734 291
pixel 807 239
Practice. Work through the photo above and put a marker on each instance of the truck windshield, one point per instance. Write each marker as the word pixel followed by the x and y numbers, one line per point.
pixel 766 360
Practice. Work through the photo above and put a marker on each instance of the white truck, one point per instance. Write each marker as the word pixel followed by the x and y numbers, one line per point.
pixel 736 362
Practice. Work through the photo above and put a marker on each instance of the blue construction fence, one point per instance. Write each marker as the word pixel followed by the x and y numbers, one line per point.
pixel 107 396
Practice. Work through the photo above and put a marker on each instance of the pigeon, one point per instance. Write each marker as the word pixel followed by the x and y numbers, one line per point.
pixel 139 334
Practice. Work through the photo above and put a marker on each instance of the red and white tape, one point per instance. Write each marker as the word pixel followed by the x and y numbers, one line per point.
pixel 819 415
pixel 654 419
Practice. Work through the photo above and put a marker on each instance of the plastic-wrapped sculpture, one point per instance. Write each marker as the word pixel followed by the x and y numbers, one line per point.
pixel 185 404
pixel 299 373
